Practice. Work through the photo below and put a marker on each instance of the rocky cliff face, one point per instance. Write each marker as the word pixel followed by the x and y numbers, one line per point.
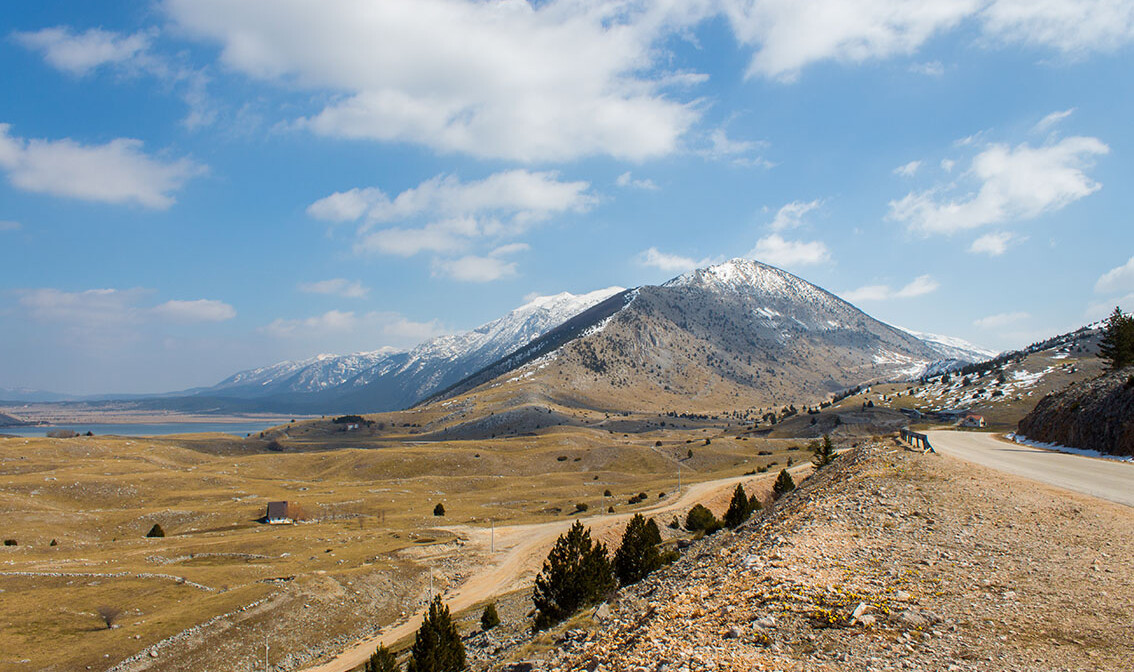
pixel 1096 414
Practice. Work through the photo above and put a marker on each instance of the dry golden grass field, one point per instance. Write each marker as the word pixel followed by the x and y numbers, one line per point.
pixel 220 584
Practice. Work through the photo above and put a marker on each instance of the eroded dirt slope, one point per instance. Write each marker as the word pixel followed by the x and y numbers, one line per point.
pixel 891 560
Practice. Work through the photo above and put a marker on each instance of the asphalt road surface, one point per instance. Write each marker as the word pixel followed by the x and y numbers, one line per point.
pixel 1106 479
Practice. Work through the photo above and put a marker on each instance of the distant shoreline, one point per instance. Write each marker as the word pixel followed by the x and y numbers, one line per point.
pixel 45 414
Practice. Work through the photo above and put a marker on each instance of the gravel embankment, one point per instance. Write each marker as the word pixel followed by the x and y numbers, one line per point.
pixel 888 560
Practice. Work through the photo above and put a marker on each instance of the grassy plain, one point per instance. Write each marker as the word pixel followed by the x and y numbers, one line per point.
pixel 362 559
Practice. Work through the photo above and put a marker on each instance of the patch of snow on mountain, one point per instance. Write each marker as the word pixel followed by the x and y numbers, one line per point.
pixel 950 347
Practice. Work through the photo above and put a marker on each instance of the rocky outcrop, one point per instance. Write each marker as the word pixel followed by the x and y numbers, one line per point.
pixel 1095 414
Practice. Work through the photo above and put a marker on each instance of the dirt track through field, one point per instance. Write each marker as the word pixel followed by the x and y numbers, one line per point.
pixel 520 552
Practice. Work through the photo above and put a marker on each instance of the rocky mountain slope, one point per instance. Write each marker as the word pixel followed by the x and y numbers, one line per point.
pixel 1095 414
pixel 741 334
pixel 387 380
pixel 887 560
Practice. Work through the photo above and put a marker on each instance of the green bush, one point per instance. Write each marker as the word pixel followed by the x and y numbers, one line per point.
pixel 489 619
pixel 382 660
pixel 700 518
pixel 576 573
pixel 437 647
pixel 439 510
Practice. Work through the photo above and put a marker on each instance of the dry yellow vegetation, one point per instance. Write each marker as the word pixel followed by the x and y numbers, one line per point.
pixel 220 584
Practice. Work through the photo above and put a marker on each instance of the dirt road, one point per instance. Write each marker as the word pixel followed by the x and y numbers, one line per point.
pixel 520 552
pixel 1106 479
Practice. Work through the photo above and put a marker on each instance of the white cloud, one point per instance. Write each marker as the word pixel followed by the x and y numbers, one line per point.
pixel 448 217
pixel 992 244
pixel 627 180
pixel 522 195
pixel 117 172
pixel 1017 183
pixel 89 308
pixel 1100 310
pixel 513 80
pixel 947 165
pixel 446 237
pixel 350 330
pixel 1051 120
pixel 774 250
pixel 131 55
pixel 737 152
pixel 329 322
pixel 337 287
pixel 671 263
pixel 908 170
pixel 1074 27
pixel 8 225
pixel 200 310
pixel 788 35
pixel 1000 320
pixel 791 216
pixel 1118 279
pixel 472 268
pixel 345 206
pixel 80 53
pixel 930 69
pixel 919 286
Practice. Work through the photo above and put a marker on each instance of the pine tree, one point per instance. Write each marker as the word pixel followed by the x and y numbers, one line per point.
pixel 576 573
pixel 439 510
pixel 753 503
pixel 156 531
pixel 382 660
pixel 1117 344
pixel 637 555
pixel 489 619
pixel 437 646
pixel 738 509
pixel 783 485
pixel 824 452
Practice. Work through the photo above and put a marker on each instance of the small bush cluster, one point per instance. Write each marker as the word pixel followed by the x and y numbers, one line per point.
pixel 489 619
pixel 700 519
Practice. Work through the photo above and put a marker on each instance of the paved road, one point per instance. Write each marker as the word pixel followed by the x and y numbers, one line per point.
pixel 1106 479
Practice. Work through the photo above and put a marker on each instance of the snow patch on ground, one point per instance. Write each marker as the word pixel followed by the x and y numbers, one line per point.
pixel 1065 449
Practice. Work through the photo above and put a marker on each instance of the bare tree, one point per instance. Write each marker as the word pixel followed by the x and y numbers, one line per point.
pixel 109 615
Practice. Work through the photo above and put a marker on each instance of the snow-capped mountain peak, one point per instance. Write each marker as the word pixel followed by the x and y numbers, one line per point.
pixel 405 377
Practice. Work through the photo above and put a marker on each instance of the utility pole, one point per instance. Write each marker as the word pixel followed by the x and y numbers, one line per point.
pixel 266 667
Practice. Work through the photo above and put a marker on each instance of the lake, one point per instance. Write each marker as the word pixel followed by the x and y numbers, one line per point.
pixel 147 429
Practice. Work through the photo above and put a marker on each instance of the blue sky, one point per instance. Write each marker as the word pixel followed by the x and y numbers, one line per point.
pixel 193 187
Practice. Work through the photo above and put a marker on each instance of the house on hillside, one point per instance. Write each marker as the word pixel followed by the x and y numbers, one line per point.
pixel 280 513
pixel 972 420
